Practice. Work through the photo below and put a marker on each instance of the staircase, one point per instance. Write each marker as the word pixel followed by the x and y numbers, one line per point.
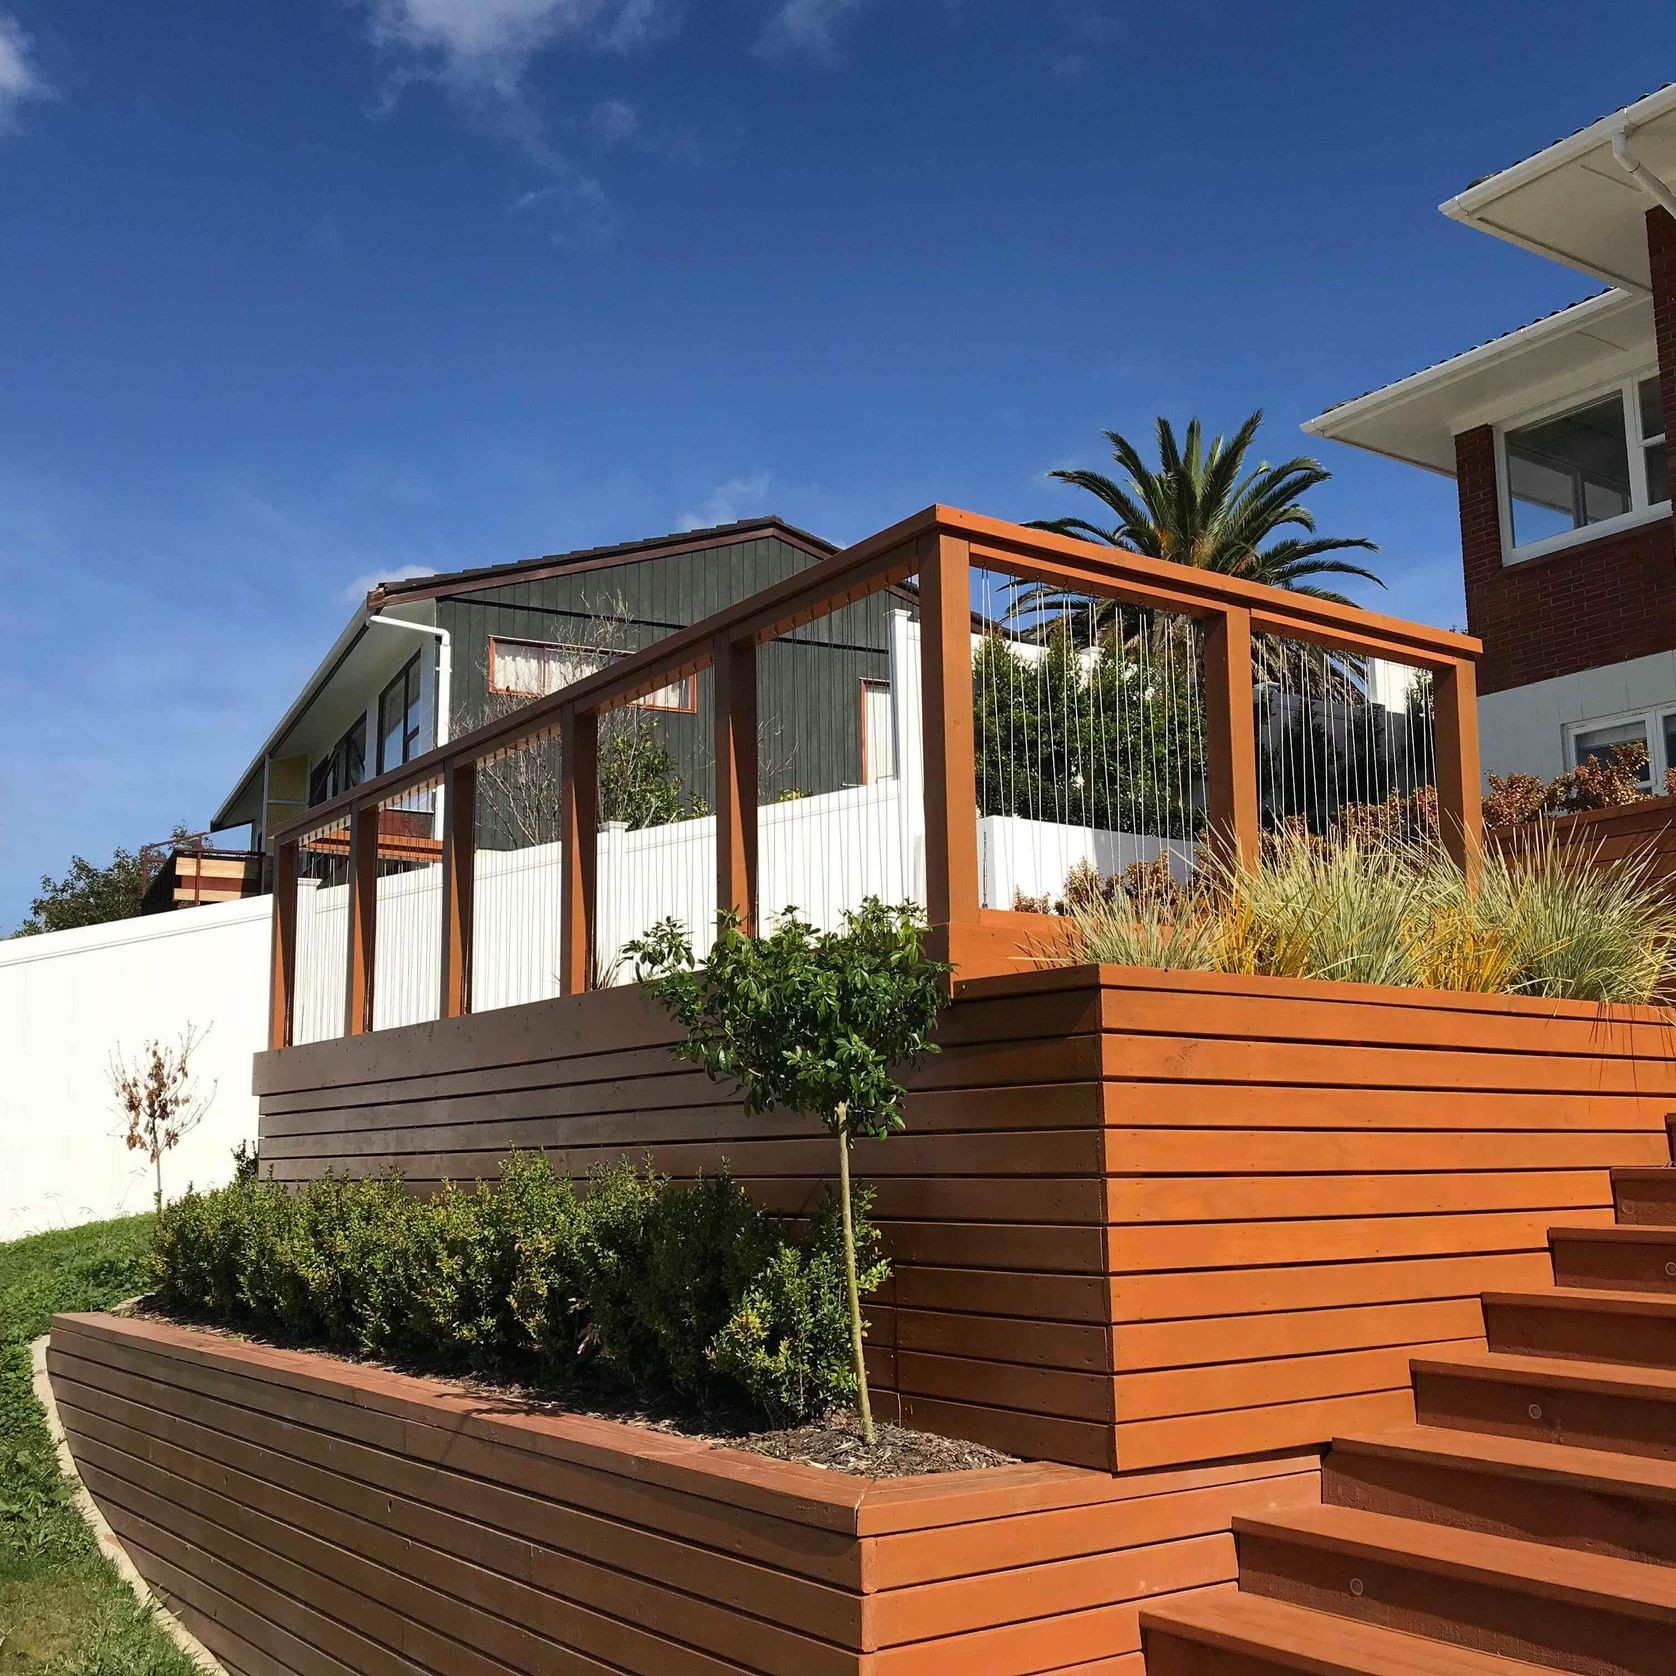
pixel 1526 1523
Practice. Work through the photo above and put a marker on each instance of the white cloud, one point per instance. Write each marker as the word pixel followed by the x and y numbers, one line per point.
pixel 806 29
pixel 577 212
pixel 20 79
pixel 364 585
pixel 613 120
pixel 739 497
pixel 486 45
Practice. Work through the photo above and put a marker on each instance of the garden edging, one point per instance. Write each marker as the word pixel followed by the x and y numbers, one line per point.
pixel 107 1541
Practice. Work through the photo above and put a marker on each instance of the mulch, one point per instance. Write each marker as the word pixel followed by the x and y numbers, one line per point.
pixel 834 1443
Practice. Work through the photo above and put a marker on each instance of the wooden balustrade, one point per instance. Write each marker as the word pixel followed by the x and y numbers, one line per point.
pixel 943 548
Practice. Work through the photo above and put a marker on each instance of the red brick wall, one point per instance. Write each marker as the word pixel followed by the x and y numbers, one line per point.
pixel 1661 258
pixel 1597 603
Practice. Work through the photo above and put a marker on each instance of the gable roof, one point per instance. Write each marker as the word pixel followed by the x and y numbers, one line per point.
pixel 235 809
pixel 597 558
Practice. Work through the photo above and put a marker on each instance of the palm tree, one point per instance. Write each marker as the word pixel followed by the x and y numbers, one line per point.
pixel 1204 507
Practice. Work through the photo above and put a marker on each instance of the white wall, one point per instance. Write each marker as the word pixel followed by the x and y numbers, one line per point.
pixel 1522 731
pixel 67 1000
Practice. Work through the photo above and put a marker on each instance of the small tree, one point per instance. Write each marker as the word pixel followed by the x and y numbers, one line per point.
pixel 809 1022
pixel 159 1099
pixel 89 894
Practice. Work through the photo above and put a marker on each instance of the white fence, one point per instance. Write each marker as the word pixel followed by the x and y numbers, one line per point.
pixel 819 855
pixel 68 1000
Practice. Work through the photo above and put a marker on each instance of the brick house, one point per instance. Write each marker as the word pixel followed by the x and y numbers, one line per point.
pixel 1555 434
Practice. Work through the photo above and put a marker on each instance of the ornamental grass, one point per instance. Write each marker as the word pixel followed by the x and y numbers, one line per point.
pixel 1546 920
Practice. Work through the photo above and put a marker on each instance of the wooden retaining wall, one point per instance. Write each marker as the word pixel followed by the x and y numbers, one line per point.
pixel 996 1323
pixel 1139 1218
pixel 1646 829
pixel 1308 1183
pixel 303 1514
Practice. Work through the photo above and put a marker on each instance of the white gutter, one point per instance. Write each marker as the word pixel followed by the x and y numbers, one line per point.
pixel 1639 172
pixel 444 666
pixel 1466 204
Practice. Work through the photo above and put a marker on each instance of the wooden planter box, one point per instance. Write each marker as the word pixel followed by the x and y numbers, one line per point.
pixel 303 1514
pixel 1139 1218
pixel 1645 830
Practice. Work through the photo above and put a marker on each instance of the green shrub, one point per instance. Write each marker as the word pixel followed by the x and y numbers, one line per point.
pixel 664 1270
pixel 786 1346
pixel 692 1290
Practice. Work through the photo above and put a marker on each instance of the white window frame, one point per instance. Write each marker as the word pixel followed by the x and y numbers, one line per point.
pixel 677 698
pixel 869 774
pixel 1651 716
pixel 1640 512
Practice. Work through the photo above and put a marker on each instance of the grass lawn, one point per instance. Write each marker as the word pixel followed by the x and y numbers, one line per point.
pixel 63 1610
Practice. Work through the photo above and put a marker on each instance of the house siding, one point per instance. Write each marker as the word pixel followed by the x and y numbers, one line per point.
pixel 809 684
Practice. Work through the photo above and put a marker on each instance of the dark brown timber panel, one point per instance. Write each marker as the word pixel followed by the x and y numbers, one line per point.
pixel 995 1325
pixel 308 1514
pixel 1138 1218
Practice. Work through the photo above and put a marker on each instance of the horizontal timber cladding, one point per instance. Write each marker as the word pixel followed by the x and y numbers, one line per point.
pixel 995 1325
pixel 1138 1218
pixel 307 1514
pixel 1645 831
pixel 1309 1183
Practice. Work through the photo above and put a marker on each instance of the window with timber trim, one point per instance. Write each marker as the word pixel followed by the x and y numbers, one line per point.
pixel 535 668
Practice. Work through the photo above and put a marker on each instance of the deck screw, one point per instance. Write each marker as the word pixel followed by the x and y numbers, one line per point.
pixel 1535 1411
pixel 1357 1587
pixel 1670 1268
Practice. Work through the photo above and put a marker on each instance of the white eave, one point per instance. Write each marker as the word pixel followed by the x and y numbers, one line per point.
pixel 1572 202
pixel 1417 418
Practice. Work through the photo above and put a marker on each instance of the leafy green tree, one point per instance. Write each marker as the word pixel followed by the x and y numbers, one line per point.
pixel 89 894
pixel 809 1022
pixel 639 782
pixel 1207 508
pixel 1111 736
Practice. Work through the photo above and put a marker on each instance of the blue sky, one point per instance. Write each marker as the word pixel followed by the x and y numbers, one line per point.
pixel 294 297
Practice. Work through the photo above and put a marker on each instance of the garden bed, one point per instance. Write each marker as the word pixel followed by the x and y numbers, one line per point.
pixel 835 1442
pixel 297 1509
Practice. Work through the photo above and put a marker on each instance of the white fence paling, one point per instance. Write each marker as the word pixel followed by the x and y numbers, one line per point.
pixel 1033 858
pixel 813 856
pixel 68 1000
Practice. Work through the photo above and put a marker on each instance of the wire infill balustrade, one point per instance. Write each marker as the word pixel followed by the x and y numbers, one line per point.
pixel 957 712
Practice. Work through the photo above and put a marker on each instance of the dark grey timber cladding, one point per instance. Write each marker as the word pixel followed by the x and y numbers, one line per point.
pixel 809 685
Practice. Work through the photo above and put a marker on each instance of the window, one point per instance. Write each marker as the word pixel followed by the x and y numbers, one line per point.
pixel 1595 463
pixel 535 668
pixel 1653 729
pixel 400 722
pixel 878 732
pixel 343 766
pixel 1654 449
pixel 1597 740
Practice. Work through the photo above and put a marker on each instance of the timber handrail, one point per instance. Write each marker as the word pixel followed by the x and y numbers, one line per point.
pixel 942 546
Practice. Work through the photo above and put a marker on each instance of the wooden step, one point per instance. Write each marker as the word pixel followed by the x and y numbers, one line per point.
pixel 1588 1499
pixel 1555 1608
pixel 1581 1321
pixel 1645 1196
pixel 1590 1405
pixel 1615 1259
pixel 1224 1632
